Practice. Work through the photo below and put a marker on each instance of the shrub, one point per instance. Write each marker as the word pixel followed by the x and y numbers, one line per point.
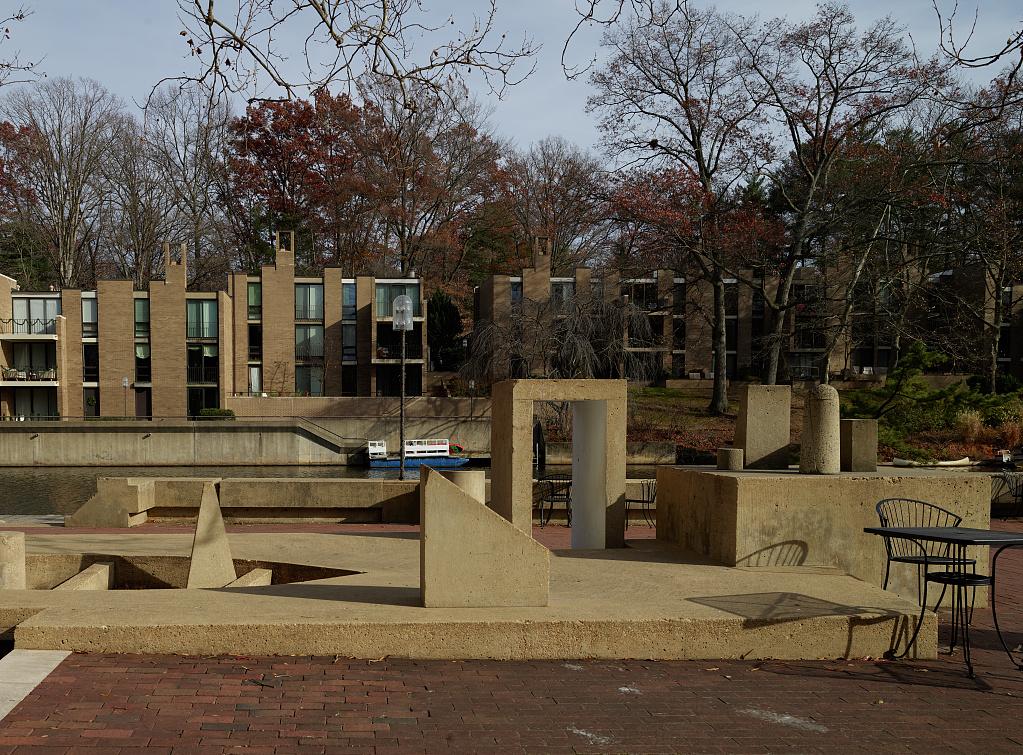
pixel 969 424
pixel 1012 434
pixel 216 414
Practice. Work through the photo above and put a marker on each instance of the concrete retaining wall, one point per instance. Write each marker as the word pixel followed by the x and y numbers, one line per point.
pixel 781 519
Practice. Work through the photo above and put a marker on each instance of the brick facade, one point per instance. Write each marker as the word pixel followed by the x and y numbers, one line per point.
pixel 167 326
pixel 116 347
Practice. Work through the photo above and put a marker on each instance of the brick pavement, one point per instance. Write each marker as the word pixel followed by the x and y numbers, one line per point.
pixel 103 703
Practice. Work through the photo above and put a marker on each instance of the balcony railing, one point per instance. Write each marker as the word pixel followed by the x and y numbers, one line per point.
pixel 203 375
pixel 143 374
pixel 90 374
pixel 28 327
pixel 305 351
pixel 90 330
pixel 201 330
pixel 255 352
pixel 255 311
pixel 308 312
pixel 412 351
pixel 28 373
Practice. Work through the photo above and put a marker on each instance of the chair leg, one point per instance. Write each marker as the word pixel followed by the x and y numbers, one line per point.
pixel 887 572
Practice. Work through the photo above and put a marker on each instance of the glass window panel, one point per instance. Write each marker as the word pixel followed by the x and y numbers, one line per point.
pixel 142 350
pixel 209 318
pixel 20 310
pixel 141 318
pixel 348 304
pixel 348 338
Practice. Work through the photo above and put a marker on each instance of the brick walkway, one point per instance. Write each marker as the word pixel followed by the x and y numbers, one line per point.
pixel 100 703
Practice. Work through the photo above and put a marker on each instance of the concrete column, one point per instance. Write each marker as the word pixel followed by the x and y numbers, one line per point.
pixel 730 459
pixel 472 481
pixel 821 442
pixel 589 466
pixel 12 560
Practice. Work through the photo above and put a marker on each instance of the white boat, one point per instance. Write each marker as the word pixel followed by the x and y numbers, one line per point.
pixel 432 452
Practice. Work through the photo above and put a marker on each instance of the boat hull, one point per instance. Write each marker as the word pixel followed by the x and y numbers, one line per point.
pixel 434 462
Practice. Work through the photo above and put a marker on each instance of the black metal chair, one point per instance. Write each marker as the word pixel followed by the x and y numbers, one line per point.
pixel 909 512
pixel 555 489
pixel 646 501
pixel 1012 484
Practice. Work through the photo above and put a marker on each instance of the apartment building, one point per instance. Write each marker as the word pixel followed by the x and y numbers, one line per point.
pixel 170 352
pixel 679 313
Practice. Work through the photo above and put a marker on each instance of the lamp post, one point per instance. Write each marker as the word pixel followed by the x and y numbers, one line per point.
pixel 401 320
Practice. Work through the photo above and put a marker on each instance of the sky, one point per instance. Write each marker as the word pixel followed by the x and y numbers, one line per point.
pixel 129 45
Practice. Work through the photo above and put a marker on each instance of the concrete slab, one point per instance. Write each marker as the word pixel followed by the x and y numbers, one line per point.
pixel 211 565
pixel 648 600
pixel 96 577
pixel 21 671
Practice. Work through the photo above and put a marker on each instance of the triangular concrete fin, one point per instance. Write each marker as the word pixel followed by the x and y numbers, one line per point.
pixel 470 556
pixel 211 564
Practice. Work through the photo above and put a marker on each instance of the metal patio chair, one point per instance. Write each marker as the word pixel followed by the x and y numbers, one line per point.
pixel 909 512
pixel 646 503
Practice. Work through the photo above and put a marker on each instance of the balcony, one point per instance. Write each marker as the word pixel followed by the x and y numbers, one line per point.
pixel 26 330
pixel 201 331
pixel 255 352
pixel 391 351
pixel 28 375
pixel 309 312
pixel 307 352
pixel 255 312
pixel 143 373
pixel 90 374
pixel 206 375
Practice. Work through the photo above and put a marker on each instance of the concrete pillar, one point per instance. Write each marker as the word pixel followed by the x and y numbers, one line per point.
pixel 859 445
pixel 589 466
pixel 471 481
pixel 12 560
pixel 821 442
pixel 730 459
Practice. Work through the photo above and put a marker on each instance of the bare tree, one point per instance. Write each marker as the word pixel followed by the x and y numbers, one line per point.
pixel 188 136
pixel 14 69
pixel 66 128
pixel 555 190
pixel 137 206
pixel 429 167
pixel 584 338
pixel 673 92
pixel 827 84
pixel 300 46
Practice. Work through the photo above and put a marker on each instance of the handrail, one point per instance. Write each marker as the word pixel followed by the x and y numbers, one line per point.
pixel 28 373
pixel 38 326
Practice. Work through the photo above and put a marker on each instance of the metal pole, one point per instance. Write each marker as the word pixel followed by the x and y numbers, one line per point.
pixel 401 413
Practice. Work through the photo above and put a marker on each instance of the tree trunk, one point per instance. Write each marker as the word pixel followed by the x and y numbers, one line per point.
pixel 719 397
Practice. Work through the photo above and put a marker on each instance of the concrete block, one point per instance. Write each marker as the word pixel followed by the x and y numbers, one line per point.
pixel 859 445
pixel 762 429
pixel 730 459
pixel 99 576
pixel 253 578
pixel 12 560
pixel 821 444
pixel 118 502
pixel 471 481
pixel 471 557
pixel 211 564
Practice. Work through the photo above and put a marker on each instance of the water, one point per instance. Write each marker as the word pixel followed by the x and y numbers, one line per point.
pixel 61 490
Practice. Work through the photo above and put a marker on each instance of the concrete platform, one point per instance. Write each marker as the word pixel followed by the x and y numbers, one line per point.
pixel 650 600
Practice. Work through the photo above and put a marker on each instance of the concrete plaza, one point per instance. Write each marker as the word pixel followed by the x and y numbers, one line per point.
pixel 252 704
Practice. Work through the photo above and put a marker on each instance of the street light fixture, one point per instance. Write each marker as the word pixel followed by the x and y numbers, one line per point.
pixel 401 320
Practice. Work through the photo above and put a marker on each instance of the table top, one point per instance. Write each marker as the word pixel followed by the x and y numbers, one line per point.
pixel 960 535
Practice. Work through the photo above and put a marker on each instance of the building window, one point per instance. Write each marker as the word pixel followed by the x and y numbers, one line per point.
pixel 143 364
pixel 678 298
pixel 348 301
pixel 562 293
pixel 678 334
pixel 202 318
pixel 203 363
pixel 255 291
pixel 348 341
pixel 255 379
pixel 35 315
pixel 142 318
pixel 90 318
pixel 309 341
pixel 90 399
pixel 90 363
pixel 386 293
pixel 308 380
pixel 255 343
pixel 516 294
pixel 309 301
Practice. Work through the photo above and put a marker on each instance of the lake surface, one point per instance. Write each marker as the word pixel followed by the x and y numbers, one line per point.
pixel 61 490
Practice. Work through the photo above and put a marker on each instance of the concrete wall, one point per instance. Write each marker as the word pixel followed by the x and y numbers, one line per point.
pixel 357 406
pixel 170 443
pixel 790 519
